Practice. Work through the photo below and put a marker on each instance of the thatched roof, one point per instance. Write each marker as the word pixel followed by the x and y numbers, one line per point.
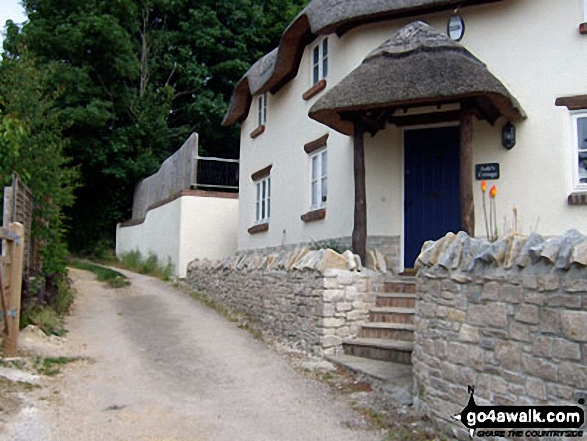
pixel 417 66
pixel 320 17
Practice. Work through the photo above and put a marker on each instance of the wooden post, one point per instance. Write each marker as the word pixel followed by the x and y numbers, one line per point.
pixel 466 166
pixel 14 253
pixel 360 226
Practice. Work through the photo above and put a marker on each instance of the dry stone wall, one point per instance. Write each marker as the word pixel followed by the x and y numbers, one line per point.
pixel 509 318
pixel 311 299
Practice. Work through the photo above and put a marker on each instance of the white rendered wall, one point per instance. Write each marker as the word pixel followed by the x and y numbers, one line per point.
pixel 187 228
pixel 532 46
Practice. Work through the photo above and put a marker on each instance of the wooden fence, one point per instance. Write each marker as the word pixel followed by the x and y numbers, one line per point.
pixel 11 270
pixel 18 207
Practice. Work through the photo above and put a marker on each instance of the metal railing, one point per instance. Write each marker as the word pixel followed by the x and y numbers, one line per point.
pixel 211 173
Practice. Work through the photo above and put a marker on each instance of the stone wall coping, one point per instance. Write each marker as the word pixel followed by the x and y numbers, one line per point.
pixel 324 261
pixel 461 253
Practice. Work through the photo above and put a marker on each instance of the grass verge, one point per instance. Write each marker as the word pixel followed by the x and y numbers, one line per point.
pixel 114 279
pixel 52 365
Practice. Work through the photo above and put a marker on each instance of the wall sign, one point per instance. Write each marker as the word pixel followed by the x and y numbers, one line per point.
pixel 455 28
pixel 487 171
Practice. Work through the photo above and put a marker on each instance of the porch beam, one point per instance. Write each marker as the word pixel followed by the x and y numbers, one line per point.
pixel 426 118
pixel 360 221
pixel 466 170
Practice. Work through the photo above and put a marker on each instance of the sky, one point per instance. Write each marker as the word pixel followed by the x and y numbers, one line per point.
pixel 10 10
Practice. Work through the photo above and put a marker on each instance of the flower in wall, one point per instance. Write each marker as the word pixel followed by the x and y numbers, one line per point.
pixel 491 220
pixel 493 213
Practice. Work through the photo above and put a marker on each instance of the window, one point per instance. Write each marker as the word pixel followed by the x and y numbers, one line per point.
pixel 262 110
pixel 320 61
pixel 580 149
pixel 318 179
pixel 263 205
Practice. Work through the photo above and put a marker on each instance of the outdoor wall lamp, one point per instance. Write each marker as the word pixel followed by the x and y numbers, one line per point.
pixel 508 135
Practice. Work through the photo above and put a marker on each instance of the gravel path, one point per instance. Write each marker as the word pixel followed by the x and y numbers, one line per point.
pixel 164 367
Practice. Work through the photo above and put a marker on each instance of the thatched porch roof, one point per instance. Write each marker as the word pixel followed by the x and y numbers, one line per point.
pixel 417 66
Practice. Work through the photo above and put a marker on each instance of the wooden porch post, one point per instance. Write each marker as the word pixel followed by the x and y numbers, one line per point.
pixel 466 170
pixel 360 225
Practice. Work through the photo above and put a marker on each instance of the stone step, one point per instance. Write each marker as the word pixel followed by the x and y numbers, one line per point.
pixel 396 300
pixel 403 285
pixel 389 331
pixel 379 349
pixel 392 315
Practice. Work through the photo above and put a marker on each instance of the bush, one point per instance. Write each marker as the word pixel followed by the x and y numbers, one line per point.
pixel 43 317
pixel 134 261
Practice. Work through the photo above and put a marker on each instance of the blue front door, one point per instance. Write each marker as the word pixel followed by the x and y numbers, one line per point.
pixel 432 198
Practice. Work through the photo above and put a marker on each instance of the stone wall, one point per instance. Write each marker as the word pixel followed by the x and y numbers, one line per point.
pixel 312 299
pixel 509 318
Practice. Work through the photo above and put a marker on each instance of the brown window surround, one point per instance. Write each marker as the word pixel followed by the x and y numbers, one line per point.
pixel 258 131
pixel 263 173
pixel 315 215
pixel 314 90
pixel 576 102
pixel 578 199
pixel 312 146
pixel 260 228
pixel 583 29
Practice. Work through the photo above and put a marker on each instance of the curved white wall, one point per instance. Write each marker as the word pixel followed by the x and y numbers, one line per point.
pixel 187 228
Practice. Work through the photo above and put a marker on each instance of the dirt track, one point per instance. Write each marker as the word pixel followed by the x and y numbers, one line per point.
pixel 161 366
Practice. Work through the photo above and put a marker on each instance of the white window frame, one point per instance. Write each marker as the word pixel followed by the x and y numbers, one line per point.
pixel 262 110
pixel 576 115
pixel 263 200
pixel 319 179
pixel 319 55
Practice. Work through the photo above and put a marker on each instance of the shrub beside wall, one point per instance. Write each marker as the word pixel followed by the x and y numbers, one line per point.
pixel 509 318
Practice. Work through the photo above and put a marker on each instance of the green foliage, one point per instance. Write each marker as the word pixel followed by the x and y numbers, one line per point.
pixel 43 317
pixel 52 365
pixel 32 145
pixel 328 244
pixel 63 299
pixel 114 279
pixel 151 266
pixel 133 79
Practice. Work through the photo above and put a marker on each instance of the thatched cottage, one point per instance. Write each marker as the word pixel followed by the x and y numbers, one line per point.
pixel 374 122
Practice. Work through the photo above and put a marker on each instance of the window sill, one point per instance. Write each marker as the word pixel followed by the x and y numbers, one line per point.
pixel 260 228
pixel 314 215
pixel 579 198
pixel 583 29
pixel 314 90
pixel 258 131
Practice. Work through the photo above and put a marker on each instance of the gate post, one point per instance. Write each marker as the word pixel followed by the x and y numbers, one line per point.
pixel 15 251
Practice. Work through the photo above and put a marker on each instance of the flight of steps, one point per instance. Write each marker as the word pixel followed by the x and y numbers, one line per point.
pixel 389 334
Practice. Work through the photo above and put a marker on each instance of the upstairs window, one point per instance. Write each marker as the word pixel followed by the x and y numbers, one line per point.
pixel 263 204
pixel 318 179
pixel 580 149
pixel 320 61
pixel 262 110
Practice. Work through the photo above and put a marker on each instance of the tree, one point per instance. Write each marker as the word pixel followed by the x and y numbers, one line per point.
pixel 134 78
pixel 32 145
